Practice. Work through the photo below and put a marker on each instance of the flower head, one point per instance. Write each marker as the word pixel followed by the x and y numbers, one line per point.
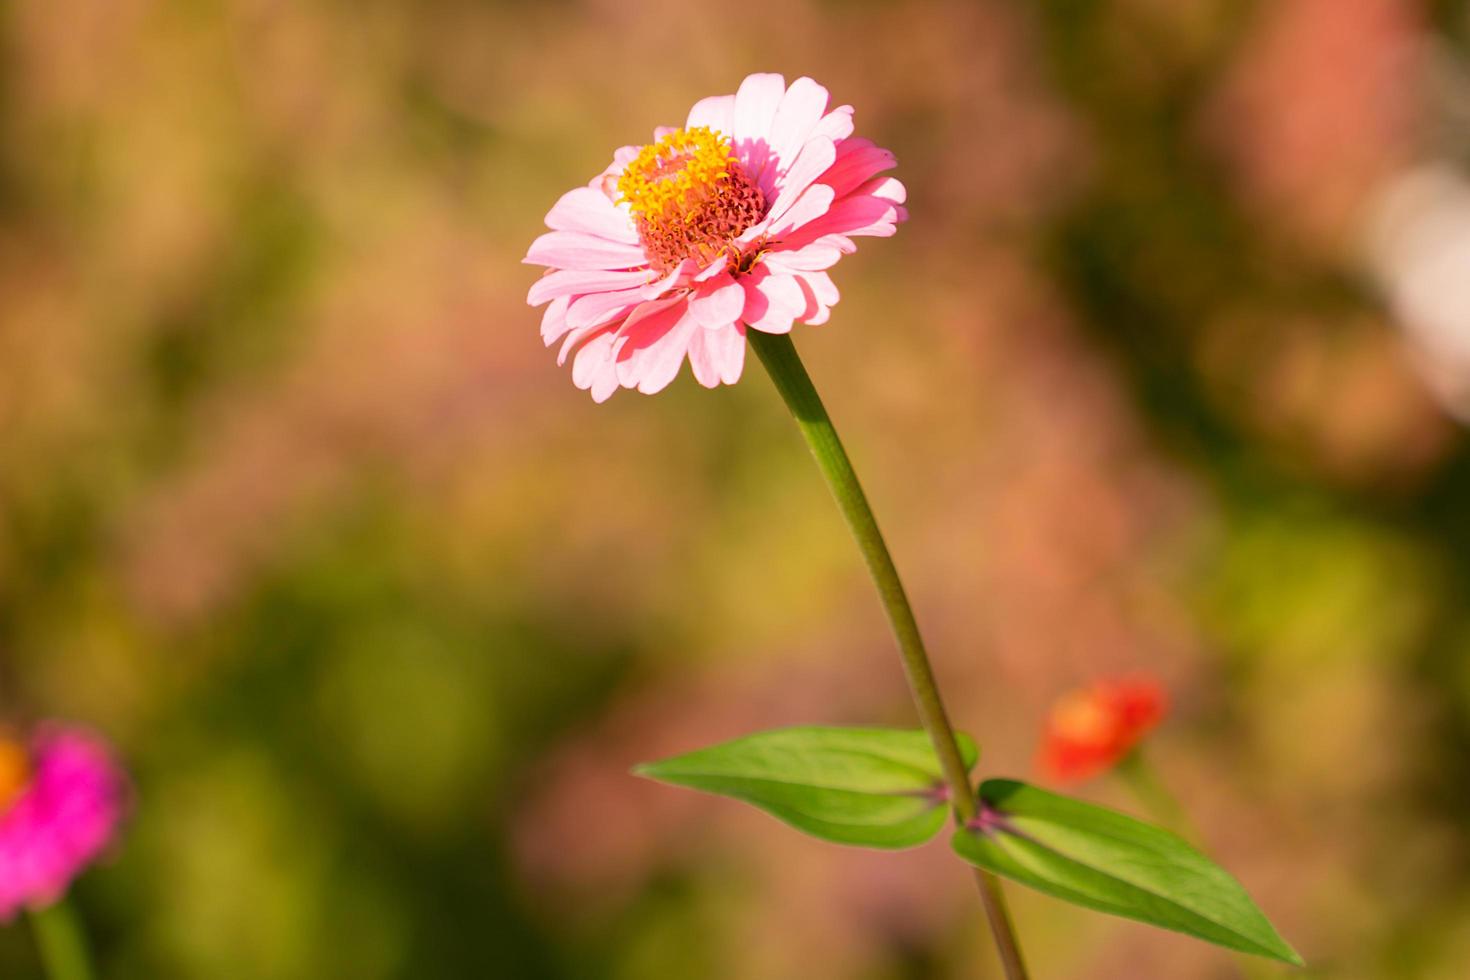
pixel 61 800
pixel 1092 729
pixel 729 223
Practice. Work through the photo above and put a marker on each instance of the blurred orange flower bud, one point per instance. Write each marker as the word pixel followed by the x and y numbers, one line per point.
pixel 1092 729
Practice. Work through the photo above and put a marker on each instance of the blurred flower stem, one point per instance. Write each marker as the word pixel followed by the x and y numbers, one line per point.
pixel 781 361
pixel 1143 781
pixel 61 943
pixel 1153 794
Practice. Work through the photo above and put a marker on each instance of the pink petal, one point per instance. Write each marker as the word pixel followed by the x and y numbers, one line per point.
pixel 606 183
pixel 576 338
pixel 888 188
pixel 727 346
pixel 814 203
pixel 799 112
pixel 772 302
pixel 842 243
pixel 650 320
pixel 717 112
pixel 835 125
pixel 674 276
pixel 595 368
pixel 813 160
pixel 578 250
pixel 625 155
pixel 718 303
pixel 600 307
pixel 569 282
pixel 662 366
pixel 857 214
pixel 857 161
pixel 809 258
pixel 717 355
pixel 755 106
pixel 820 294
pixel 587 210
pixel 652 351
pixel 554 320
pixel 715 268
pixel 822 287
pixel 700 361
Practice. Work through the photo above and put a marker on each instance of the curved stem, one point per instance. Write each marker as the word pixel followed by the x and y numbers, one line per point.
pixel 62 945
pixel 783 364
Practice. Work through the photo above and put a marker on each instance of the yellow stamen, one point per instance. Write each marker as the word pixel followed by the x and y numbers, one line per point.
pixel 663 178
pixel 690 197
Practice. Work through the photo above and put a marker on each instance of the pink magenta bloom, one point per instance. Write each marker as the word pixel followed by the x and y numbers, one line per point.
pixel 731 222
pixel 60 806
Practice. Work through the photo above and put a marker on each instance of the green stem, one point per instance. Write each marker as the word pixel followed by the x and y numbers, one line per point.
pixel 784 365
pixel 61 943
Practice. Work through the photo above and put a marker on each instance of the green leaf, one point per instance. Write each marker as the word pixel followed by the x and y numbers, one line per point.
pixel 873 787
pixel 1103 860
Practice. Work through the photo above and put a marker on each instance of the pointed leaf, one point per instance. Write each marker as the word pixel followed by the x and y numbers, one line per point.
pixel 1104 860
pixel 873 787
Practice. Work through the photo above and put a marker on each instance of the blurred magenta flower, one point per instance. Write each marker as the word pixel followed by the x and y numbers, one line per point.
pixel 732 221
pixel 1093 729
pixel 61 801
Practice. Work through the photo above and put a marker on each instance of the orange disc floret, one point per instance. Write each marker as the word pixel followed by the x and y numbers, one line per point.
pixel 15 770
pixel 690 197
pixel 1093 729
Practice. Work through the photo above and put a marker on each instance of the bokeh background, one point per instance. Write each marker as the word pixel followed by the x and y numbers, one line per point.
pixel 1168 373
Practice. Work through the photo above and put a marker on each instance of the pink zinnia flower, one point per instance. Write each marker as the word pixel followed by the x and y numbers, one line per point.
pixel 731 222
pixel 61 801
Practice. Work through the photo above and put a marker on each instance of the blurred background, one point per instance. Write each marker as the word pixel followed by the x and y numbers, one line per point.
pixel 1168 373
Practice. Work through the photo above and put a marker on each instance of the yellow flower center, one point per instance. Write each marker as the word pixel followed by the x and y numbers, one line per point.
pixel 1079 717
pixel 690 198
pixel 15 771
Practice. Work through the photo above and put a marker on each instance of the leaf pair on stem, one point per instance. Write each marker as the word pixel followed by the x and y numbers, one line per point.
pixel 882 788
